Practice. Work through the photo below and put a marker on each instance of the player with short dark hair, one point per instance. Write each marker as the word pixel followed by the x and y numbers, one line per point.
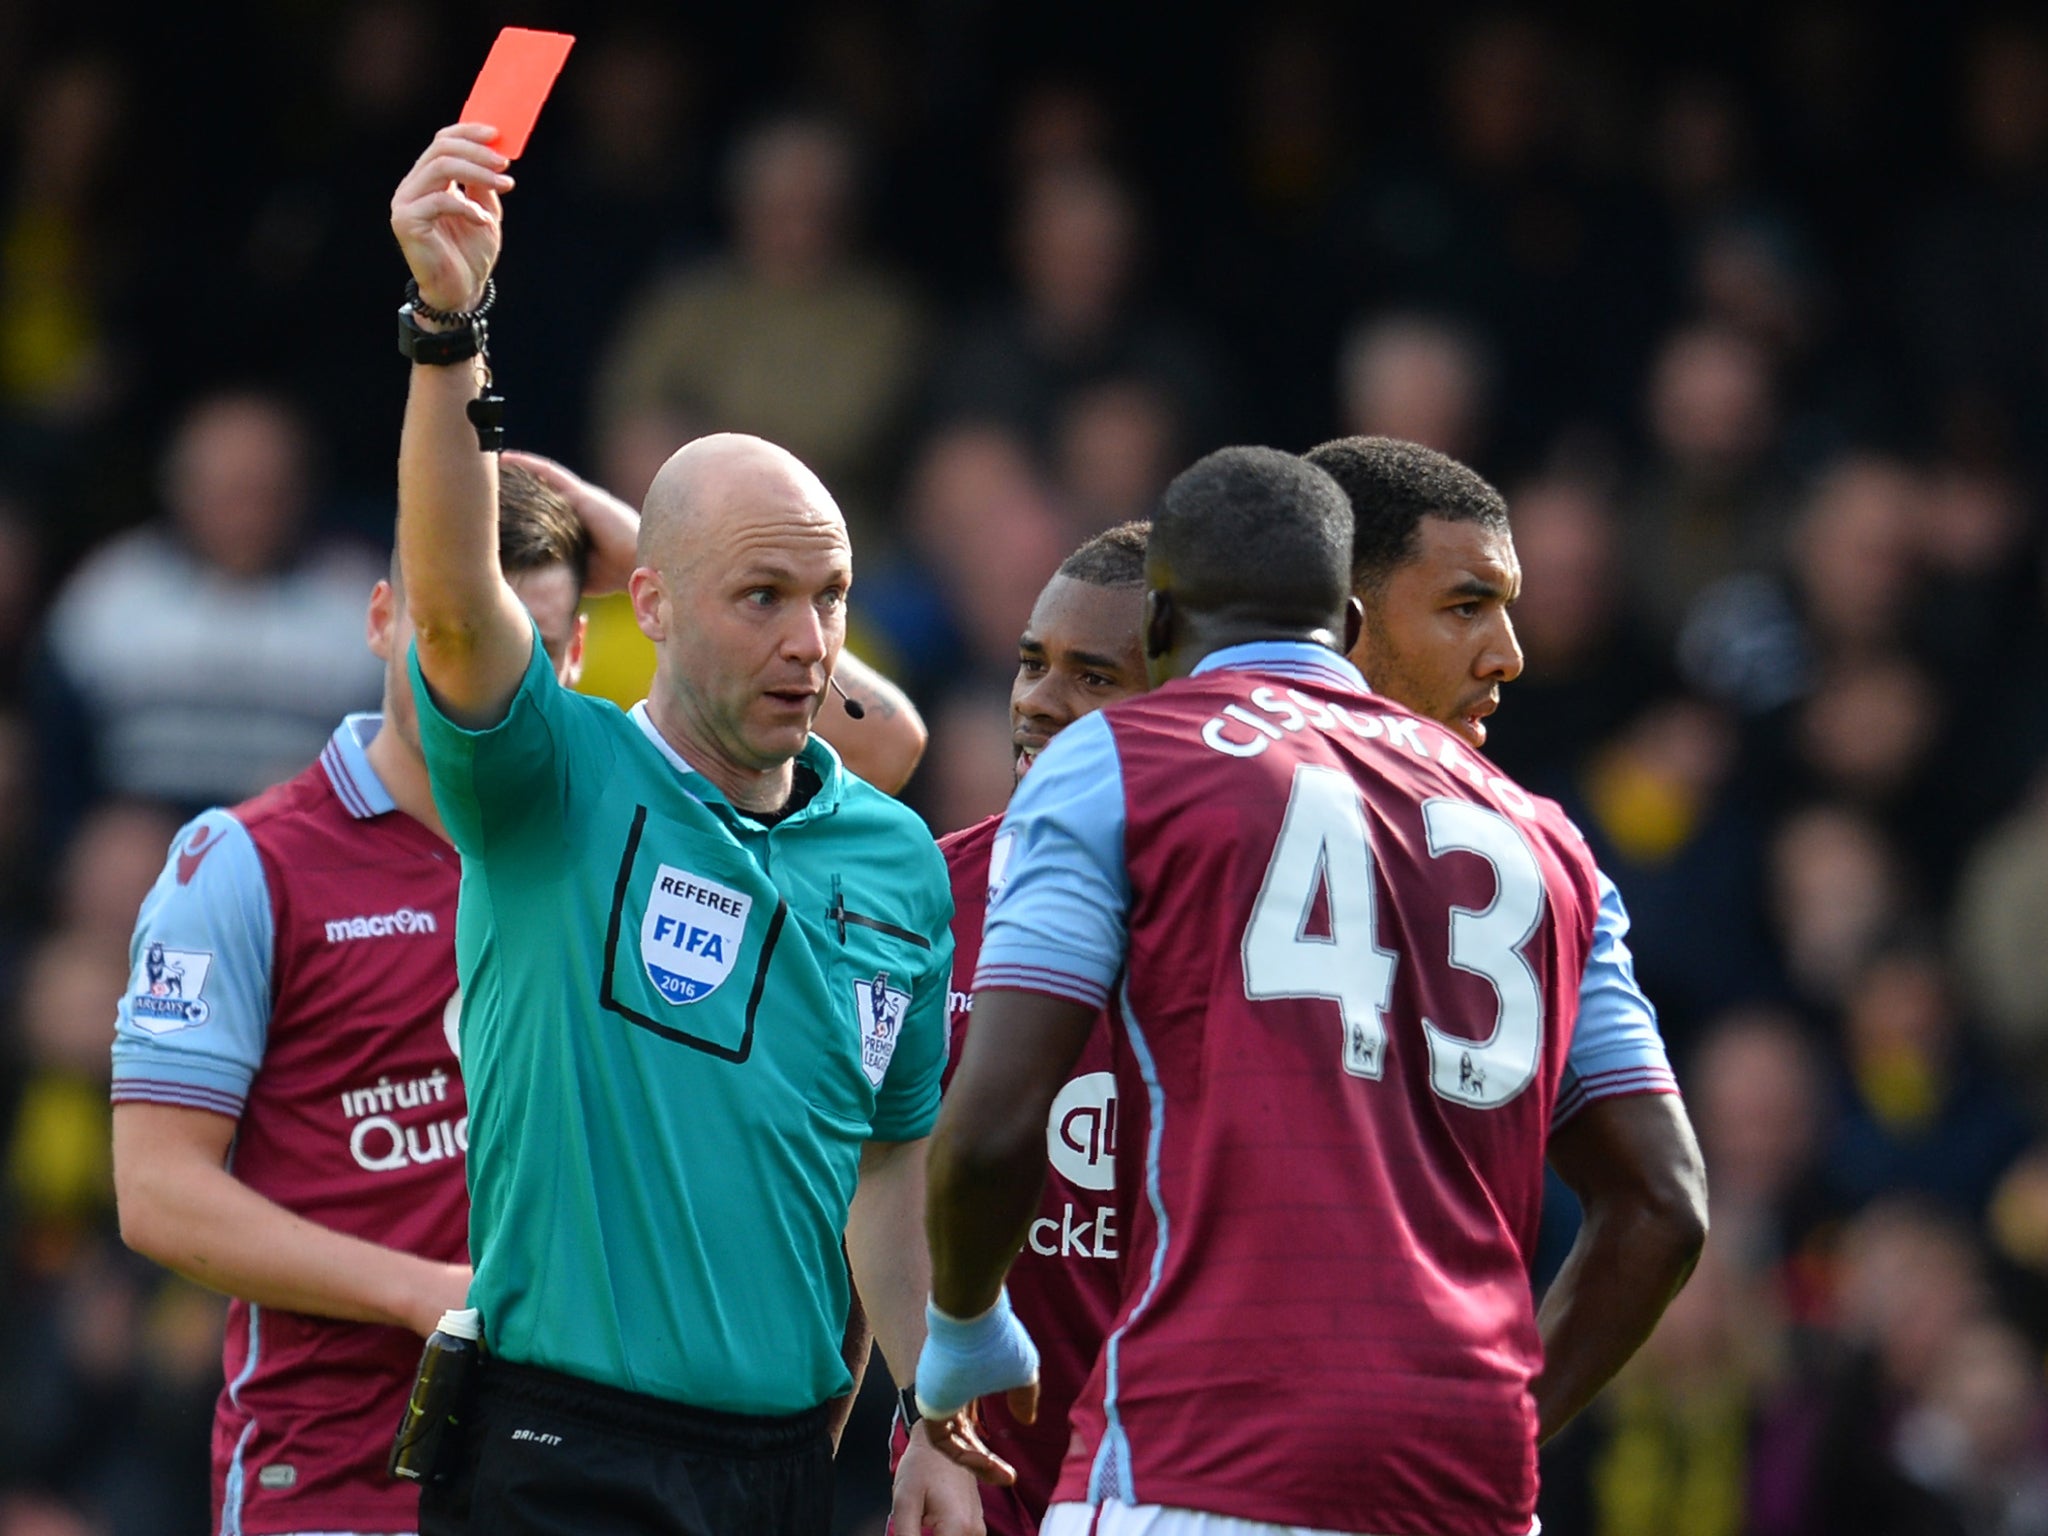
pixel 1220 538
pixel 1114 557
pixel 1630 1188
pixel 1433 563
pixel 1346 956
pixel 290 1123
pixel 1080 649
pixel 1078 653
pixel 1404 483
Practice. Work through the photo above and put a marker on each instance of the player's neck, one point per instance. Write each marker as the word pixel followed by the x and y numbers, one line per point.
pixel 403 773
pixel 757 790
pixel 1204 638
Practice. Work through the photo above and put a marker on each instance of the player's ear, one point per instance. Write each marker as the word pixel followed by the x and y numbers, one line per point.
pixel 1354 623
pixel 1158 624
pixel 380 619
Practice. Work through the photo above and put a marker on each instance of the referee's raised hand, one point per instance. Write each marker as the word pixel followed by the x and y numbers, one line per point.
pixel 448 218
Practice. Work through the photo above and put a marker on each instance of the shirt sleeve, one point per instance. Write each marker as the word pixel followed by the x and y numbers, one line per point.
pixel 490 783
pixel 191 1028
pixel 908 1102
pixel 1616 1049
pixel 1060 897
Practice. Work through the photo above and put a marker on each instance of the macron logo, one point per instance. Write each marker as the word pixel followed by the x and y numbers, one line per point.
pixel 193 854
pixel 383 926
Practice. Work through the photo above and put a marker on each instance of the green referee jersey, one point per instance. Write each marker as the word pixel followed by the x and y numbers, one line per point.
pixel 678 1027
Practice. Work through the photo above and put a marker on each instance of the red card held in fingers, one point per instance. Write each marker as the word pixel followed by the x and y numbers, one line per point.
pixel 513 83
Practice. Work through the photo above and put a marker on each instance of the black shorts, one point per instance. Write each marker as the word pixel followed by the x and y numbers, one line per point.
pixel 544 1454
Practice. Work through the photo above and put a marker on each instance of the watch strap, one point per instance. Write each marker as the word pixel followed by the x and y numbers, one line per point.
pixel 438 349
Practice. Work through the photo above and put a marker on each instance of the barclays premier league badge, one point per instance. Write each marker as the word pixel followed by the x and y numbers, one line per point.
pixel 881 1008
pixel 691 934
pixel 165 996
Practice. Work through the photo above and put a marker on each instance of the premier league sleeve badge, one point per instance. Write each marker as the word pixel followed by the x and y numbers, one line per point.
pixel 166 995
pixel 881 1008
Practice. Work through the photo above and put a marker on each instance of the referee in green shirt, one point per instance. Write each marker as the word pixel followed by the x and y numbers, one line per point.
pixel 704 975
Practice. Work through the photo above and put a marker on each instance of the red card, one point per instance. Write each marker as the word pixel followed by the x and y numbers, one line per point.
pixel 515 80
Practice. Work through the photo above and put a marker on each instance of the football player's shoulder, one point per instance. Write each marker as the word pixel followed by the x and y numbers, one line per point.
pixel 312 814
pixel 304 794
pixel 1557 821
pixel 214 881
pixel 970 845
pixel 1554 815
pixel 1566 839
pixel 1162 713
pixel 1169 701
pixel 195 859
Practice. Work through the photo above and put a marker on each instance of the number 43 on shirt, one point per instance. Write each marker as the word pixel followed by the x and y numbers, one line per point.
pixel 1323 841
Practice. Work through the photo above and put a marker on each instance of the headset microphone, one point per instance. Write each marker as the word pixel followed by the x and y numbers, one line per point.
pixel 855 710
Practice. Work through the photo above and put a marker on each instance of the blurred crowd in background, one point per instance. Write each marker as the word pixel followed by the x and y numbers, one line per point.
pixel 1744 307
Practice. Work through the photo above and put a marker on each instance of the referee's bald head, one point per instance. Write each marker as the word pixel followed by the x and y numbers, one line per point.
pixel 744 567
pixel 715 482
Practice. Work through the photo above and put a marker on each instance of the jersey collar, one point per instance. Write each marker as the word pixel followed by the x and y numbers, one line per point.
pixel 1289 658
pixel 662 745
pixel 817 753
pixel 355 782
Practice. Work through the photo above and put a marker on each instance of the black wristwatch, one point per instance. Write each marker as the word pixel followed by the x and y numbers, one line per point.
pixel 906 1406
pixel 438 349
pixel 467 336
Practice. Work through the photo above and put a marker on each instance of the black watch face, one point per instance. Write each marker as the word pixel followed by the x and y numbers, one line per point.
pixel 435 348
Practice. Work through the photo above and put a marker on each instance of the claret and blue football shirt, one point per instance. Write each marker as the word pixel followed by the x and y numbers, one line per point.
pixel 1347 964
pixel 294 972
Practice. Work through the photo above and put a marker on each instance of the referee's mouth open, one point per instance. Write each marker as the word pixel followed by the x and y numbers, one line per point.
pixel 798 701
